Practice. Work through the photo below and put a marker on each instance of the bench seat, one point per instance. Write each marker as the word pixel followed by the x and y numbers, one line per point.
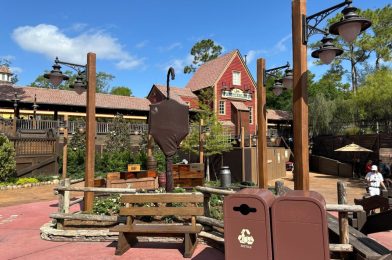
pixel 157 228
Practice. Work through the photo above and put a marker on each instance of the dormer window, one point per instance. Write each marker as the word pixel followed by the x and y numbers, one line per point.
pixel 237 78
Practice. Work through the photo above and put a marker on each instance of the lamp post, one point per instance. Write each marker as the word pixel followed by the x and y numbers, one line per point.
pixel 64 128
pixel 35 107
pixel 262 112
pixel 349 27
pixel 86 74
pixel 16 112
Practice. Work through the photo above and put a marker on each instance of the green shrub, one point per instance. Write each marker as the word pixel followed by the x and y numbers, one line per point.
pixel 22 181
pixel 7 159
pixel 107 205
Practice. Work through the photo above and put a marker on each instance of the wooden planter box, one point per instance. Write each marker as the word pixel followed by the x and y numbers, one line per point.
pixel 141 183
pixel 127 175
pixel 100 183
pixel 145 174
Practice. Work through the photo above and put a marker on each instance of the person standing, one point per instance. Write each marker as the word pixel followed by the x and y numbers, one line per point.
pixel 375 181
pixel 368 166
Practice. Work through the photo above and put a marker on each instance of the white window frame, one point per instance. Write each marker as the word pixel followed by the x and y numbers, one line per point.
pixel 222 107
pixel 250 115
pixel 236 79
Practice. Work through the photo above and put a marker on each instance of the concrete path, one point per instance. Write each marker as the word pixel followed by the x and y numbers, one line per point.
pixel 20 239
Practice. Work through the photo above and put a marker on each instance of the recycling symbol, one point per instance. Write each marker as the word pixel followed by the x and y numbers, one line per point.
pixel 245 238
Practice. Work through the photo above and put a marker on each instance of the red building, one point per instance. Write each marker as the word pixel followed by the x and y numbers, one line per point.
pixel 234 91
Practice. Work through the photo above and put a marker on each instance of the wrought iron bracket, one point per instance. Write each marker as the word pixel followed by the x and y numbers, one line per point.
pixel 269 72
pixel 77 67
pixel 309 30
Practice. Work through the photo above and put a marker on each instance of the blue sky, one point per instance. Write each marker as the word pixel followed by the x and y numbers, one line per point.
pixel 136 41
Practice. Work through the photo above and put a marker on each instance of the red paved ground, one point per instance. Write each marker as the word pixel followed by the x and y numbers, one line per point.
pixel 20 239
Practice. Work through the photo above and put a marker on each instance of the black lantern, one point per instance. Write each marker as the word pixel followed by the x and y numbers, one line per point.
pixel 351 25
pixel 288 79
pixel 278 87
pixel 79 82
pixel 327 51
pixel 56 76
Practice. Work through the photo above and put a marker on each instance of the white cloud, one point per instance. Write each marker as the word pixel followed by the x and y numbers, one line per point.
pixel 279 47
pixel 50 41
pixel 141 44
pixel 178 64
pixel 171 47
pixel 7 57
pixel 16 70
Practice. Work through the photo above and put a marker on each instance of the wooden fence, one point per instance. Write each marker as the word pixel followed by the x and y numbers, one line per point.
pixel 34 146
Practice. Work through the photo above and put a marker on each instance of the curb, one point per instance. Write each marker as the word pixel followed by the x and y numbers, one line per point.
pixel 28 185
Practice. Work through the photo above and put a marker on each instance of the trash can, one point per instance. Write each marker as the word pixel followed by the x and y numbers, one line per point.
pixel 247 225
pixel 225 176
pixel 299 226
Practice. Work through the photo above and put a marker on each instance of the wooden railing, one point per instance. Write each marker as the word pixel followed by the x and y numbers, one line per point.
pixel 64 188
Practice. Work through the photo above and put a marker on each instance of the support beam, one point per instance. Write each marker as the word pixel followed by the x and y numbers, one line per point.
pixel 300 99
pixel 65 147
pixel 262 126
pixel 91 128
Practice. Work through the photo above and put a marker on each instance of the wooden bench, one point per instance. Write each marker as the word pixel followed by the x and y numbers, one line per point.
pixel 167 204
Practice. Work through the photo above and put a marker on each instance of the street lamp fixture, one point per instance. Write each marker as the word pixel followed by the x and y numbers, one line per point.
pixel 56 76
pixel 349 27
pixel 278 87
pixel 87 75
pixel 280 83
pixel 327 51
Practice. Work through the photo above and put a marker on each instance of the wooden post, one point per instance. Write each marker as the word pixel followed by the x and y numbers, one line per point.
pixel 91 129
pixel 64 196
pixel 150 142
pixel 243 152
pixel 201 142
pixel 206 204
pixel 65 147
pixel 262 126
pixel 300 99
pixel 343 216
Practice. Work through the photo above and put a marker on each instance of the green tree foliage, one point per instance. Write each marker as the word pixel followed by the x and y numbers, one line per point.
pixel 7 159
pixel 321 111
pixel 330 84
pixel 203 51
pixel 121 91
pixel 374 98
pixel 215 142
pixel 118 138
pixel 379 38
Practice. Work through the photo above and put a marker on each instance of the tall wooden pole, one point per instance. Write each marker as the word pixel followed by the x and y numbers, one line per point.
pixel 91 130
pixel 261 126
pixel 65 147
pixel 300 99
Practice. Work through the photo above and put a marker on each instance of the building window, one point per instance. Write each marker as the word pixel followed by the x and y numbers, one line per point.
pixel 250 115
pixel 237 78
pixel 222 107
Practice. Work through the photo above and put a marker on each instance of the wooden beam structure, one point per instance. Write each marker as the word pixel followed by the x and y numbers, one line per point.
pixel 91 128
pixel 261 126
pixel 300 98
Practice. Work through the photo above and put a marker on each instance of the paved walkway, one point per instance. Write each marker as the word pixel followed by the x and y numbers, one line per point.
pixel 20 239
